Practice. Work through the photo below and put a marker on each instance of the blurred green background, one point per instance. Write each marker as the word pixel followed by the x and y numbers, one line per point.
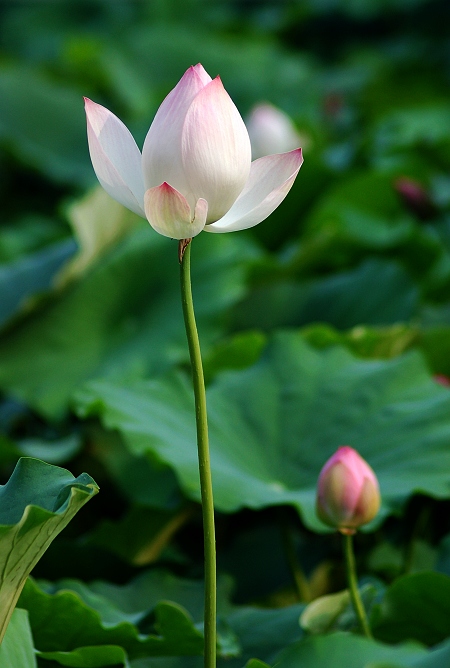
pixel 355 260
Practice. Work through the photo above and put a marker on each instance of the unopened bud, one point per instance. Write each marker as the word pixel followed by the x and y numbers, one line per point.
pixel 415 197
pixel 348 494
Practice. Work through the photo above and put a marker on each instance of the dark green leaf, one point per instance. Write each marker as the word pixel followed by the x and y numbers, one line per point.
pixel 124 319
pixel 89 657
pixel 378 292
pixel 63 621
pixel 44 124
pixel 29 276
pixel 415 607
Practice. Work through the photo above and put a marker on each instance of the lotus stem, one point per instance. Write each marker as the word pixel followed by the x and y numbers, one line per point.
pixel 198 380
pixel 353 585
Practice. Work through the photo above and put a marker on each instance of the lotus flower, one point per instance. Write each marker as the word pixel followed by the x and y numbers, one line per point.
pixel 348 495
pixel 271 130
pixel 195 172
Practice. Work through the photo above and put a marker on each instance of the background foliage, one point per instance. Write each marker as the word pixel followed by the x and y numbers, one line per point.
pixel 328 324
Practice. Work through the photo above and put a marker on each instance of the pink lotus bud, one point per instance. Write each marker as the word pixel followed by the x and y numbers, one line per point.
pixel 195 172
pixel 271 131
pixel 442 379
pixel 348 494
pixel 415 197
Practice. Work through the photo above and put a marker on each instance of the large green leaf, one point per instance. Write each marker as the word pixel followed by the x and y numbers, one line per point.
pixel 261 633
pixel 64 621
pixel 387 342
pixel 44 124
pixel 16 650
pixel 273 425
pixel 363 214
pixel 419 126
pixel 36 503
pixel 22 279
pixel 89 657
pixel 156 614
pixel 359 214
pixel 378 292
pixel 347 650
pixel 123 319
pixel 415 607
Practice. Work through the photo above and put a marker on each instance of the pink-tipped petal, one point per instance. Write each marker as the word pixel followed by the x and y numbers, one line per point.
pixel 169 213
pixel 216 152
pixel 269 182
pixel 115 157
pixel 202 73
pixel 161 155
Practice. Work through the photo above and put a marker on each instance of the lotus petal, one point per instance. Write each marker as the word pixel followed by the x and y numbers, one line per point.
pixel 115 157
pixel 269 182
pixel 169 213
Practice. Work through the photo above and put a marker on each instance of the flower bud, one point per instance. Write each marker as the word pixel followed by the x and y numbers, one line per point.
pixel 415 197
pixel 195 172
pixel 271 131
pixel 348 494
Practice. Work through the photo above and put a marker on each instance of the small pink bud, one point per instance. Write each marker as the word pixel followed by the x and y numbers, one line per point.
pixel 441 379
pixel 348 494
pixel 415 197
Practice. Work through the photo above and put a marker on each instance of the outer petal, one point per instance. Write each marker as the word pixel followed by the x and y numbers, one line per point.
pixel 216 152
pixel 169 213
pixel 269 182
pixel 115 157
pixel 161 155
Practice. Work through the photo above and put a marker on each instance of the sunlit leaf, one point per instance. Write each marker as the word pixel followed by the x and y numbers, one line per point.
pixel 16 650
pixel 37 502
pixel 98 222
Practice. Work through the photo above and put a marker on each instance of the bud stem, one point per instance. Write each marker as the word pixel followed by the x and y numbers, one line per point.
pixel 203 454
pixel 353 585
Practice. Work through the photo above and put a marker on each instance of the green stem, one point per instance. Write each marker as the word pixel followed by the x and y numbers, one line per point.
pixel 203 454
pixel 353 585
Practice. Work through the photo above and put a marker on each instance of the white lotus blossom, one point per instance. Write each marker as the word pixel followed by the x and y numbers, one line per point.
pixel 195 172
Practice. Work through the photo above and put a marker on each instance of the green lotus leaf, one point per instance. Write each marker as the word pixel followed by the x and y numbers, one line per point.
pixel 16 650
pixel 417 607
pixel 36 503
pixel 138 616
pixel 347 650
pixel 273 425
pixel 89 657
pixel 122 319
